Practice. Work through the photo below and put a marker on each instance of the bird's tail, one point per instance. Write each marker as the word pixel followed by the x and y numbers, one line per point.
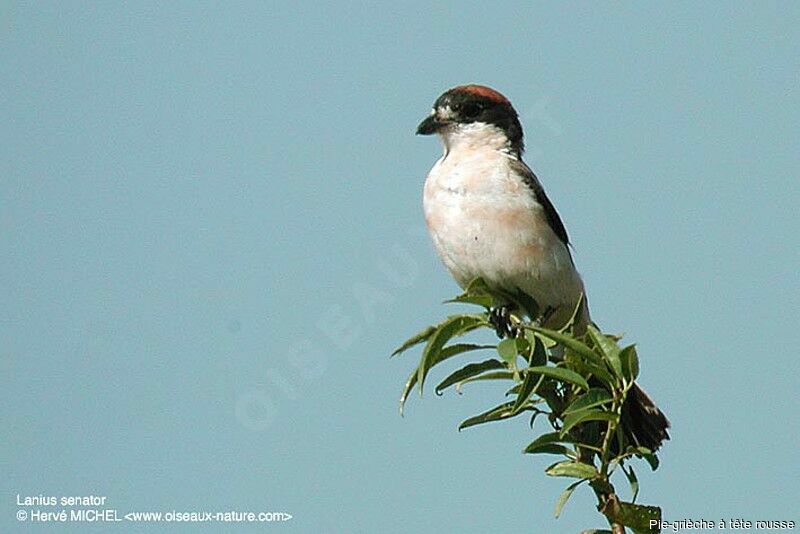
pixel 643 423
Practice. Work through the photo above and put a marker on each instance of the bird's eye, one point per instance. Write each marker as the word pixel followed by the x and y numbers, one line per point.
pixel 471 110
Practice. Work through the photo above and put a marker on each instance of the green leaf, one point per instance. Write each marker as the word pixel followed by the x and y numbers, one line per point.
pixel 507 349
pixel 523 347
pixel 536 413
pixel 406 390
pixel 570 342
pixel 477 286
pixel 564 497
pixel 630 363
pixel 533 337
pixel 549 444
pixel 481 300
pixel 576 314
pixel 497 413
pixel 559 373
pixel 591 399
pixel 647 454
pixel 451 327
pixel 550 437
pixel 458 348
pixel 445 353
pixel 418 338
pixel 583 416
pixel 554 448
pixel 539 354
pixel 529 385
pixel 606 343
pixel 586 368
pixel 572 469
pixel 468 371
pixel 636 516
pixel 493 375
pixel 477 292
pixel 608 347
pixel 632 480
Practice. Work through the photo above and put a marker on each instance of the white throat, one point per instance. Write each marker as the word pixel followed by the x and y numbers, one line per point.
pixel 473 137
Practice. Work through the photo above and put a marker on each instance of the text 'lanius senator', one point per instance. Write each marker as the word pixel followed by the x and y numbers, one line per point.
pixel 489 217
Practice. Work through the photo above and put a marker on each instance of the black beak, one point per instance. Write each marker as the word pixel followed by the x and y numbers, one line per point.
pixel 430 125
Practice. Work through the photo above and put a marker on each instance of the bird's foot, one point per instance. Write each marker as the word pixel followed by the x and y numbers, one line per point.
pixel 503 323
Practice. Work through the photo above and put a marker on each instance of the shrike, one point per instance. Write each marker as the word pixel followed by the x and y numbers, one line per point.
pixel 489 217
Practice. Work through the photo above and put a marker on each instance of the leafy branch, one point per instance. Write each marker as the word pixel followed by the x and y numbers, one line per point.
pixel 578 381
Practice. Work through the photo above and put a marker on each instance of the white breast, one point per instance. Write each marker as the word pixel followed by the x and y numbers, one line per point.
pixel 485 221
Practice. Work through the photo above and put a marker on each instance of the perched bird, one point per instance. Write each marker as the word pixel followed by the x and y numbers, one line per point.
pixel 489 217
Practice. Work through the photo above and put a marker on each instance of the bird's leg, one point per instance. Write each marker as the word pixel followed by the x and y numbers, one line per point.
pixel 504 326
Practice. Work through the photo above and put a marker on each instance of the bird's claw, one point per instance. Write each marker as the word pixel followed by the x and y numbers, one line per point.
pixel 504 325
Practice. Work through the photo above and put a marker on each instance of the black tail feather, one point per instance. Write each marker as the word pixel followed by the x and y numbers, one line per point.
pixel 644 424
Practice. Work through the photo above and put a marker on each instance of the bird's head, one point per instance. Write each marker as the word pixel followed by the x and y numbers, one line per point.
pixel 477 115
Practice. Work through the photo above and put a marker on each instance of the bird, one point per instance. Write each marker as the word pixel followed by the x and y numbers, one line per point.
pixel 489 217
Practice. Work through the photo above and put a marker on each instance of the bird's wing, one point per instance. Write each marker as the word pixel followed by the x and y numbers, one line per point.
pixel 549 210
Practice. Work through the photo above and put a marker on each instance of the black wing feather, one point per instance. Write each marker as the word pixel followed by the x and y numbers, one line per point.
pixel 549 210
pixel 552 216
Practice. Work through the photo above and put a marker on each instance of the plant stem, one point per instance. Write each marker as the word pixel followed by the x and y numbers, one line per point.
pixel 606 494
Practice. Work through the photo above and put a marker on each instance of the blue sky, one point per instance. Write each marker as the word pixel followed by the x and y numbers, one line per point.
pixel 212 239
